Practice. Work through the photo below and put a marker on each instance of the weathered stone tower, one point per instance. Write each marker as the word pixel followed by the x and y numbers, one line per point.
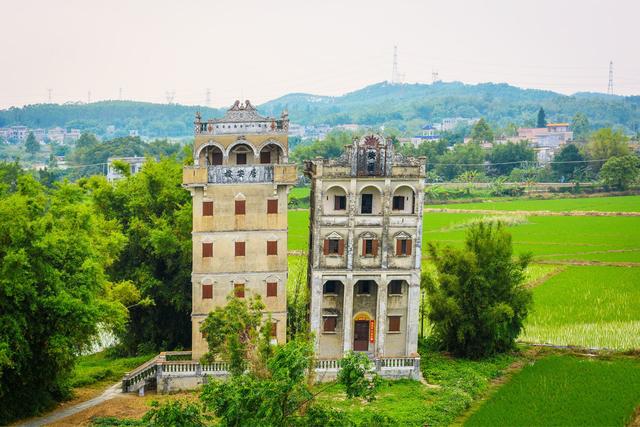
pixel 239 183
pixel 365 250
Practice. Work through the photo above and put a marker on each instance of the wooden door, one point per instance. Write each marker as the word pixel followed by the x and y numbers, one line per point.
pixel 361 336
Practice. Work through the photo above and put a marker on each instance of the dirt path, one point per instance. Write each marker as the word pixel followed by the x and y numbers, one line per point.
pixel 531 213
pixel 58 414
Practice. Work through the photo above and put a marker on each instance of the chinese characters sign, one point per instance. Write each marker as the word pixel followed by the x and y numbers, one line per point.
pixel 240 174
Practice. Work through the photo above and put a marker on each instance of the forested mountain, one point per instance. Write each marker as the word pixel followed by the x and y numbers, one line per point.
pixel 402 106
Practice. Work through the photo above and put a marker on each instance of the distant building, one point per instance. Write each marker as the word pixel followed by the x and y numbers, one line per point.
pixel 133 133
pixel 451 123
pixel 56 135
pixel 545 141
pixel 296 130
pixel 61 162
pixel 19 133
pixel 349 127
pixel 428 133
pixel 111 129
pixel 39 134
pixel 135 164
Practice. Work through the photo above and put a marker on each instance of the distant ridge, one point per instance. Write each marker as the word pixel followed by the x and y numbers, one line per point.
pixel 403 106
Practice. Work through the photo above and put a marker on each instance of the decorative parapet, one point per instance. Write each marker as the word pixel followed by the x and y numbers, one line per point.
pixel 239 174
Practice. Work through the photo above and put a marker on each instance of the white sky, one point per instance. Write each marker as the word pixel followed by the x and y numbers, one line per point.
pixel 264 49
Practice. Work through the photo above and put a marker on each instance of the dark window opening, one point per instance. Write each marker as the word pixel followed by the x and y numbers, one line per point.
pixel 241 158
pixel 398 203
pixel 340 203
pixel 207 250
pixel 265 157
pixel 367 247
pixel 239 249
pixel 403 247
pixel 272 289
pixel 395 287
pixel 334 246
pixel 367 204
pixel 240 207
pixel 216 158
pixel 272 247
pixel 207 208
pixel 364 288
pixel 272 206
pixel 331 287
pixel 207 291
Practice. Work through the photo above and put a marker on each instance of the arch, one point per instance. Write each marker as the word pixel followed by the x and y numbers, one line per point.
pixel 238 142
pixel 362 315
pixel 371 186
pixel 403 199
pixel 272 142
pixel 408 186
pixel 332 186
pixel 335 200
pixel 210 143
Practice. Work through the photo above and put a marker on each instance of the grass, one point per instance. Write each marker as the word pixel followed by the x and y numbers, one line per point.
pixel 600 204
pixel 452 386
pixel 565 391
pixel 98 368
pixel 590 306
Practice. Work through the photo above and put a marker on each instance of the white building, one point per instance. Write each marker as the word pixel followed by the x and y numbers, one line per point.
pixel 135 165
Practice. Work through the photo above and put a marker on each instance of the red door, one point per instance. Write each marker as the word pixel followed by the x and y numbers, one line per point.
pixel 361 335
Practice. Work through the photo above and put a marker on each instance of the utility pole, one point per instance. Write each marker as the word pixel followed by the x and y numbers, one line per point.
pixel 610 86
pixel 208 97
pixel 120 94
pixel 170 95
pixel 89 97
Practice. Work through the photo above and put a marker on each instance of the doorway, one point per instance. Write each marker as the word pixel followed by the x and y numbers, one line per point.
pixel 361 336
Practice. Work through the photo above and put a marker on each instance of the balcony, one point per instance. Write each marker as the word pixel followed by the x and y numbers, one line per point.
pixel 240 174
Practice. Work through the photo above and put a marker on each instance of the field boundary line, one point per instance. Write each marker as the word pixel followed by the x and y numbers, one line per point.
pixel 533 213
pixel 540 280
pixel 587 263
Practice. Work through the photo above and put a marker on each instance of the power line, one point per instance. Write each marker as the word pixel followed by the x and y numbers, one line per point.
pixel 515 163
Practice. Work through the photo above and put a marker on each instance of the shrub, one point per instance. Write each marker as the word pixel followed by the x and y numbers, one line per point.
pixel 355 374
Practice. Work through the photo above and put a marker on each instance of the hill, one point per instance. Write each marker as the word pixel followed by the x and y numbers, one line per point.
pixel 403 106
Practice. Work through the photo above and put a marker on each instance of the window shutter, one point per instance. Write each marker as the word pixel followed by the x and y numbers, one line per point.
pixel 329 324
pixel 341 247
pixel 238 290
pixel 408 246
pixel 274 329
pixel 394 323
pixel 265 157
pixel 239 246
pixel 272 206
pixel 207 208
pixel 375 247
pixel 207 291
pixel 336 203
pixel 207 250
pixel 240 207
pixel 272 247
pixel 364 246
pixel 398 247
pixel 272 289
pixel 325 249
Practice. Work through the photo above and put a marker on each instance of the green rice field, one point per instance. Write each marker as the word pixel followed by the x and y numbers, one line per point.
pixel 590 306
pixel 600 204
pixel 565 391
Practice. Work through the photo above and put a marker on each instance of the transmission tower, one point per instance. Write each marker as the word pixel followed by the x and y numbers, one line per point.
pixel 435 77
pixel 208 97
pixel 120 93
pixel 396 77
pixel 49 90
pixel 89 97
pixel 610 86
pixel 170 95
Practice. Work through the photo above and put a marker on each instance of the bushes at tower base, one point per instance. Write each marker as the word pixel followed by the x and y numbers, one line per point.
pixel 477 299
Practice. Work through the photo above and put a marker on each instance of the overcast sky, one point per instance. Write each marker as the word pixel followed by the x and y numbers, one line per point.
pixel 264 49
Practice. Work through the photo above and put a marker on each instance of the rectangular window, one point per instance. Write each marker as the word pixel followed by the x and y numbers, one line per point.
pixel 272 289
pixel 333 246
pixel 272 247
pixel 403 247
pixel 330 287
pixel 394 323
pixel 238 290
pixel 265 157
pixel 241 158
pixel 364 288
pixel 207 250
pixel 367 247
pixel 395 287
pixel 398 203
pixel 274 329
pixel 240 207
pixel 207 291
pixel 272 206
pixel 216 159
pixel 239 248
pixel 339 203
pixel 366 207
pixel 329 323
pixel 207 208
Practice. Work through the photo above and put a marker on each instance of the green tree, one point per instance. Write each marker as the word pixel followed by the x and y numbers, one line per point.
pixel 32 146
pixel 174 413
pixel 481 132
pixel 566 162
pixel 504 156
pixel 580 126
pixel 604 144
pixel 620 172
pixel 462 158
pixel 154 212
pixel 541 121
pixel 478 302
pixel 330 147
pixel 356 376
pixel 54 293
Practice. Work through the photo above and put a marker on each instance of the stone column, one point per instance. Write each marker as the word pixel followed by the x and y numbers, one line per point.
pixel 381 314
pixel 315 309
pixel 347 310
pixel 413 317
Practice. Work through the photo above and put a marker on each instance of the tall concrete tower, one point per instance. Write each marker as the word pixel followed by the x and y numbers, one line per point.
pixel 365 250
pixel 239 183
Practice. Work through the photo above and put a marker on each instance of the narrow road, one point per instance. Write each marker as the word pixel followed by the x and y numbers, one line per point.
pixel 59 414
